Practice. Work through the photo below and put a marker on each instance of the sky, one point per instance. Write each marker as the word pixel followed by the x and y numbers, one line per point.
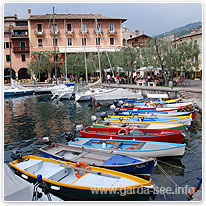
pixel 149 18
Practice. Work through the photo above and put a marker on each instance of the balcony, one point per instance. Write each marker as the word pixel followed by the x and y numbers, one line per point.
pixel 56 33
pixel 85 33
pixel 19 36
pixel 20 49
pixel 39 33
pixel 70 33
pixel 98 31
pixel 112 33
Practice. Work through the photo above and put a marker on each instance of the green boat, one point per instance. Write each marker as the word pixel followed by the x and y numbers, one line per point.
pixel 68 181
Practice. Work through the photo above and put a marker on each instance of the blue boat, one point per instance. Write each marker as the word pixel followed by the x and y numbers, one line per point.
pixel 132 148
pixel 133 165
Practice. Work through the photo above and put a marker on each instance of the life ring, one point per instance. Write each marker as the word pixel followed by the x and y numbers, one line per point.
pixel 131 148
pixel 123 129
pixel 77 165
pixel 161 105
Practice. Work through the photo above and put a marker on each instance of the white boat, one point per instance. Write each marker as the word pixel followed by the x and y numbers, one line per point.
pixel 62 91
pixel 88 94
pixel 117 93
pixel 15 90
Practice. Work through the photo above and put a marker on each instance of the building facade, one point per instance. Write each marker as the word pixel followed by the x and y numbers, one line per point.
pixel 16 47
pixel 138 41
pixel 67 33
pixel 196 37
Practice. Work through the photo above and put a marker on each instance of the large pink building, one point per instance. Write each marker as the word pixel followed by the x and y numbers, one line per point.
pixel 69 33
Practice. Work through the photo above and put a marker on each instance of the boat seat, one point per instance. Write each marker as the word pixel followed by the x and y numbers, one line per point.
pixel 116 145
pixel 140 145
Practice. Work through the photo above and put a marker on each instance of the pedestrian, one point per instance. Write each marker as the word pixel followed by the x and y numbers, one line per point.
pixel 108 78
pixel 117 79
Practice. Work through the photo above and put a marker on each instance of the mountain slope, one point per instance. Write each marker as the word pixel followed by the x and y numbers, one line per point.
pixel 181 31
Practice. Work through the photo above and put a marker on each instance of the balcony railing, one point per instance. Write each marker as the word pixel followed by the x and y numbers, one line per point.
pixel 99 31
pixel 86 32
pixel 20 49
pixel 112 33
pixel 39 33
pixel 19 36
pixel 56 33
pixel 70 33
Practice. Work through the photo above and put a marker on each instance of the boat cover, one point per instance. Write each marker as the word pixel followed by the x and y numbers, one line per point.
pixel 120 160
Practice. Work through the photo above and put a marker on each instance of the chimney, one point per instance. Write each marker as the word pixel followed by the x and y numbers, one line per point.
pixel 15 15
pixel 192 30
pixel 200 28
pixel 137 32
pixel 29 12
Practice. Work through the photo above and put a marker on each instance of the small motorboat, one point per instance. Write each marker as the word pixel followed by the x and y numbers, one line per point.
pixel 133 148
pixel 156 135
pixel 132 165
pixel 140 125
pixel 159 114
pixel 150 119
pixel 69 181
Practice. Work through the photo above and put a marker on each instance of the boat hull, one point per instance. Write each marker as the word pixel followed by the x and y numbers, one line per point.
pixel 174 138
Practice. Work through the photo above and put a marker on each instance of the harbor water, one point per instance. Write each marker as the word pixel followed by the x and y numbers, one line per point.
pixel 28 119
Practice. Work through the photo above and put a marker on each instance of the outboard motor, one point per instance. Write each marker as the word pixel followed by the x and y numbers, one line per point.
pixel 69 136
pixel 16 155
pixel 103 115
pixel 73 96
pixel 93 118
pixel 115 101
pixel 120 103
pixel 79 127
pixel 46 140
pixel 112 107
pixel 116 111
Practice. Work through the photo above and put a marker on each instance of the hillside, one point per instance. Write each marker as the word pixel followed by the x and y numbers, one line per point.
pixel 181 31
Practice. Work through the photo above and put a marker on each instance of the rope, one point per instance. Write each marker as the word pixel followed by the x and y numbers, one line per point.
pixel 170 164
pixel 168 177
pixel 191 150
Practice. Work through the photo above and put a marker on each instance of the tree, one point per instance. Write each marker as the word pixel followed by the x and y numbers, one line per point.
pixel 128 59
pixel 40 64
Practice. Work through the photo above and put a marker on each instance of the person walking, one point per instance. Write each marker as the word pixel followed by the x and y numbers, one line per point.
pixel 117 78
pixel 108 79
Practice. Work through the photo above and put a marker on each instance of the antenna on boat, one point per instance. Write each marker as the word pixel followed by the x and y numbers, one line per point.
pixel 10 68
pixel 85 57
pixel 54 43
pixel 65 49
pixel 98 42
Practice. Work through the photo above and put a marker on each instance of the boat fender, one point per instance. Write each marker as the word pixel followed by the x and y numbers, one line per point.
pixel 131 148
pixel 77 165
pixel 103 115
pixel 161 105
pixel 104 144
pixel 116 111
pixel 123 129
pixel 79 127
pixel 120 103
pixel 16 155
pixel 121 118
pixel 93 118
pixel 194 189
pixel 72 96
pixel 112 107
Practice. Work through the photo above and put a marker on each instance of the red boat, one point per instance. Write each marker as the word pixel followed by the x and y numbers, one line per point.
pixel 156 135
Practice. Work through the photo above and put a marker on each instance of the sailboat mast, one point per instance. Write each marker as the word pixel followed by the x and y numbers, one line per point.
pixel 10 68
pixel 98 42
pixel 65 50
pixel 54 42
pixel 85 57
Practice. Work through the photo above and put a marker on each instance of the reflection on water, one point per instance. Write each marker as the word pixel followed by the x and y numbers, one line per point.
pixel 28 119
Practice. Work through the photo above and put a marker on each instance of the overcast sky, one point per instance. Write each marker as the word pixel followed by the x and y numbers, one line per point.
pixel 150 18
